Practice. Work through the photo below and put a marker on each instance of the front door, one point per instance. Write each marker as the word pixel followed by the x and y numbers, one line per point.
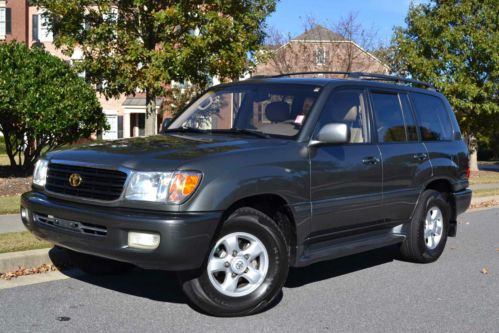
pixel 346 179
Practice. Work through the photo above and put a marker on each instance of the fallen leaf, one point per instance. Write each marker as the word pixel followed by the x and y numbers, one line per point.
pixel 484 271
pixel 21 271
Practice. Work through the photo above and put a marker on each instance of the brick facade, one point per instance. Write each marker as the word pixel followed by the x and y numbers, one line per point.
pixel 318 49
pixel 14 20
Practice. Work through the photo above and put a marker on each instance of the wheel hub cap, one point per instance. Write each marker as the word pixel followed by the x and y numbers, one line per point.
pixel 433 228
pixel 238 264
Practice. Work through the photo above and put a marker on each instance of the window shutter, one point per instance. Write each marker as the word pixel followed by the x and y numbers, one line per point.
pixel 34 28
pixel 8 21
pixel 120 127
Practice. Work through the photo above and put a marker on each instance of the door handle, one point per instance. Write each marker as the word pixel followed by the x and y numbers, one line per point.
pixel 370 160
pixel 420 156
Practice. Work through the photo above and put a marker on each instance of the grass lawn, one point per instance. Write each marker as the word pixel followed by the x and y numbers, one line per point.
pixel 4 159
pixel 485 177
pixel 21 241
pixel 9 204
pixel 486 192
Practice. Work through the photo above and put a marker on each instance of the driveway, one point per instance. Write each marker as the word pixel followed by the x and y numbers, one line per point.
pixel 370 292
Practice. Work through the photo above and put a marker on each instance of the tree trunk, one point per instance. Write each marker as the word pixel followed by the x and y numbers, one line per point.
pixel 473 148
pixel 151 126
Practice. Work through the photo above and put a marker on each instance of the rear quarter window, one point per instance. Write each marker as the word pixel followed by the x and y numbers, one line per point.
pixel 434 120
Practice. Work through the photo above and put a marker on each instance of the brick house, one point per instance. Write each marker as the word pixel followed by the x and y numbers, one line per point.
pixel 26 24
pixel 318 49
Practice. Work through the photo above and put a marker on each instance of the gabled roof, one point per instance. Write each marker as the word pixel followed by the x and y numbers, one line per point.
pixel 319 33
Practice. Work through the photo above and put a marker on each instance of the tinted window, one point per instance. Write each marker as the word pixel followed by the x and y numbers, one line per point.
pixel 434 120
pixel 390 124
pixel 347 107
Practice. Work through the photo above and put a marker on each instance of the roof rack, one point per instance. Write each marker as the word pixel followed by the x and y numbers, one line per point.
pixel 360 76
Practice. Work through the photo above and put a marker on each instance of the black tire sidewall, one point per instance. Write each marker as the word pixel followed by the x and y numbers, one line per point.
pixel 272 238
pixel 431 199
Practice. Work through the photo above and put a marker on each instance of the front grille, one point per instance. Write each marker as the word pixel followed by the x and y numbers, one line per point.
pixel 74 226
pixel 100 184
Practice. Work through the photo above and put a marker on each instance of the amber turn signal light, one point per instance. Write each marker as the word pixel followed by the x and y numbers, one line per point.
pixel 183 184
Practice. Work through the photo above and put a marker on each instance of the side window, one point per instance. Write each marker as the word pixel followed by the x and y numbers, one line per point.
pixel 389 119
pixel 347 106
pixel 434 121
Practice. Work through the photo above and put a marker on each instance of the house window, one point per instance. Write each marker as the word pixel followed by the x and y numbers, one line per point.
pixel 5 22
pixel 320 56
pixel 41 31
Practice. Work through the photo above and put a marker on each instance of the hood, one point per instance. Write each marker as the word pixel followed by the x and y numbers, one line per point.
pixel 161 152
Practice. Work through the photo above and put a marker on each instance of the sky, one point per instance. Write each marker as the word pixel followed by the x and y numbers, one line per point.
pixel 380 15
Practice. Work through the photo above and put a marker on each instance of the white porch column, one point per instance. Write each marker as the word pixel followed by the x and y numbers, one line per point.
pixel 126 125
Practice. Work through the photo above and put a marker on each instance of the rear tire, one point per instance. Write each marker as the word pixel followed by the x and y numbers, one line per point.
pixel 245 270
pixel 94 265
pixel 427 233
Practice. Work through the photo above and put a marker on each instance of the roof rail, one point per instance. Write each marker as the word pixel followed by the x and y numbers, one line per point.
pixel 360 76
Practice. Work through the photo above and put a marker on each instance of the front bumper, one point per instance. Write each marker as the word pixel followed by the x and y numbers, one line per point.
pixel 185 237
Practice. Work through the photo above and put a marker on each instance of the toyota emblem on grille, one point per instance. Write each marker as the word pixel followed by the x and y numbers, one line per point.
pixel 75 180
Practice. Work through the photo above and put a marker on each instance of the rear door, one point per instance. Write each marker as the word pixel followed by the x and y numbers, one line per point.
pixel 405 160
pixel 346 178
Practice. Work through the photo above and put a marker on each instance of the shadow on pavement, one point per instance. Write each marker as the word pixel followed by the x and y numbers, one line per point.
pixel 155 285
pixel 330 269
pixel 163 286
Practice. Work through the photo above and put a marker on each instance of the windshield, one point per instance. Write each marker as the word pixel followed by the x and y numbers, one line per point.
pixel 271 109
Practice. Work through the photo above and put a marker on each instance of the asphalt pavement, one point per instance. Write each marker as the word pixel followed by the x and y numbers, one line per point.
pixel 370 292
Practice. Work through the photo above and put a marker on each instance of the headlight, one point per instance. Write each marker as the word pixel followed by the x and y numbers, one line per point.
pixel 40 173
pixel 149 186
pixel 162 186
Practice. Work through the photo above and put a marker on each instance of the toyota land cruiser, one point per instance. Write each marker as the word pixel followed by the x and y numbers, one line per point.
pixel 258 176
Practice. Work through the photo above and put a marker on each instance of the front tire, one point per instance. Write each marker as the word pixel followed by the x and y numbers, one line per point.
pixel 427 233
pixel 245 269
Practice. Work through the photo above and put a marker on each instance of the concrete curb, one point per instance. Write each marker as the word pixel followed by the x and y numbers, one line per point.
pixel 11 261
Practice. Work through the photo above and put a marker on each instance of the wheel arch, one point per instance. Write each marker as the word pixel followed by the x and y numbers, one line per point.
pixel 444 186
pixel 275 207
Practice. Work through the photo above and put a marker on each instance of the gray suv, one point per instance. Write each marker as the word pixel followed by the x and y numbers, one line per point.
pixel 258 176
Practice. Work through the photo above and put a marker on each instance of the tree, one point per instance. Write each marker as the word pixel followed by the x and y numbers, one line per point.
pixel 43 104
pixel 142 45
pixel 454 45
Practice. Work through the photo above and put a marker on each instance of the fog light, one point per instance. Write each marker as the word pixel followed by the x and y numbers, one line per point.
pixel 143 240
pixel 24 215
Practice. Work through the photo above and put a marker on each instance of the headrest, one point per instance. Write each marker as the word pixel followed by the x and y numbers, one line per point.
pixel 277 112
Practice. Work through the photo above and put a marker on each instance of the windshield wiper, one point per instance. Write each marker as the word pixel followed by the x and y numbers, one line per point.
pixel 244 131
pixel 185 130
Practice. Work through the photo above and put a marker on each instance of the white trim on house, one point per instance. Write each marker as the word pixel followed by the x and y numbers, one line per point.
pixel 112 120
pixel 3 20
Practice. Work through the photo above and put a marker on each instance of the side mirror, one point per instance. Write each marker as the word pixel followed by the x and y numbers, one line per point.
pixel 165 124
pixel 332 133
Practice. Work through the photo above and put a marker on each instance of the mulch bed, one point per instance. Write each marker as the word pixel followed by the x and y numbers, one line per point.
pixel 13 183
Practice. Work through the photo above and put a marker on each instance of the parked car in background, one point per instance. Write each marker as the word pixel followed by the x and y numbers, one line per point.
pixel 258 176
